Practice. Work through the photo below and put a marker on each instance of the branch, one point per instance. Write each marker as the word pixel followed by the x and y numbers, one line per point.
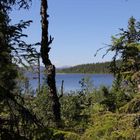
pixel 50 40
pixel 62 89
pixel 100 50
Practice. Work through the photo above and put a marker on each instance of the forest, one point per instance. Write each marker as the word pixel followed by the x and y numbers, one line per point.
pixel 97 114
pixel 87 68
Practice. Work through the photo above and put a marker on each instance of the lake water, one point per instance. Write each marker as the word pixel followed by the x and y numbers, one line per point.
pixel 71 81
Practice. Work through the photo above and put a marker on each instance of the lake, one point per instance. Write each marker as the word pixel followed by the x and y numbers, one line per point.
pixel 71 81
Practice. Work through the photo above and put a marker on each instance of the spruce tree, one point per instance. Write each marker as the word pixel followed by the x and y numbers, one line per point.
pixel 16 121
pixel 127 50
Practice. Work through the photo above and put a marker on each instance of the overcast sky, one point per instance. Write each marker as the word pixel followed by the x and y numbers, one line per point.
pixel 79 27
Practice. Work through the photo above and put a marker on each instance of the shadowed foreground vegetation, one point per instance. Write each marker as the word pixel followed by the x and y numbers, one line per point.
pixel 88 115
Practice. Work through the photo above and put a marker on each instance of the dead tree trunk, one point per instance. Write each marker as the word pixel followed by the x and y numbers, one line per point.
pixel 45 43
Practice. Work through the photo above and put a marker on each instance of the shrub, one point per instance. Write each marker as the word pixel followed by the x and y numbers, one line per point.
pixel 113 126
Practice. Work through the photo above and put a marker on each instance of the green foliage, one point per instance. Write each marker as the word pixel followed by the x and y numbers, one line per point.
pixel 110 101
pixel 7 4
pixel 75 113
pixel 16 120
pixel 75 106
pixel 112 126
pixel 86 85
pixel 114 99
pixel 88 114
pixel 132 107
pixel 97 107
pixel 42 106
pixel 126 48
pixel 65 135
pixel 43 134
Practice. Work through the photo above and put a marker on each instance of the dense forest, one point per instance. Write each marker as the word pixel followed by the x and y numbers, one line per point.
pixel 97 114
pixel 87 68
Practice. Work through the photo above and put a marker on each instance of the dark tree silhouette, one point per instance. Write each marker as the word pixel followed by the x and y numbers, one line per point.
pixel 45 49
pixel 16 121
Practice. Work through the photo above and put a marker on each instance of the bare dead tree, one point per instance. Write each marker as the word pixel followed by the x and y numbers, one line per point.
pixel 45 49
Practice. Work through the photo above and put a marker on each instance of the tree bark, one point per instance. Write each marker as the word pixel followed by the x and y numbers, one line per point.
pixel 45 42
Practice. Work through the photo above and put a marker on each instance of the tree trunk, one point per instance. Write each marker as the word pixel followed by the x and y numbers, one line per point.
pixel 45 42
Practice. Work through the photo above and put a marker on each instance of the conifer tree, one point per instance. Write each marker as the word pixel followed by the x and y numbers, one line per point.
pixel 15 119
pixel 127 49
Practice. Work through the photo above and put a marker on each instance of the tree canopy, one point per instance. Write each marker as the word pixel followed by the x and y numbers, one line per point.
pixel 126 46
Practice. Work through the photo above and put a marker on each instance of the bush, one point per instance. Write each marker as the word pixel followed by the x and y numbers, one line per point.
pixel 113 126
pixel 132 107
pixel 63 135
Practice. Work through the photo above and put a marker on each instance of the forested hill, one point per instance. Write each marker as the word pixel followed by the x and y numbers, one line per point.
pixel 87 68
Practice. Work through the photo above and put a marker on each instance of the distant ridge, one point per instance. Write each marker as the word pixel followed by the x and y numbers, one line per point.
pixel 99 68
pixel 87 68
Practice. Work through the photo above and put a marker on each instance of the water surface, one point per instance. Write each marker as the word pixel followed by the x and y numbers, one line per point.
pixel 71 81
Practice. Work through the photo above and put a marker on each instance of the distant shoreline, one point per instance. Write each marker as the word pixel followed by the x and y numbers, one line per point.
pixel 91 68
pixel 83 73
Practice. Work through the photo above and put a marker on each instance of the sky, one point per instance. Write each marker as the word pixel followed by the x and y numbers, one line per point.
pixel 79 27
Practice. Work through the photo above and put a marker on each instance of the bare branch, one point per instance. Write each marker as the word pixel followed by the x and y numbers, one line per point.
pixel 62 89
